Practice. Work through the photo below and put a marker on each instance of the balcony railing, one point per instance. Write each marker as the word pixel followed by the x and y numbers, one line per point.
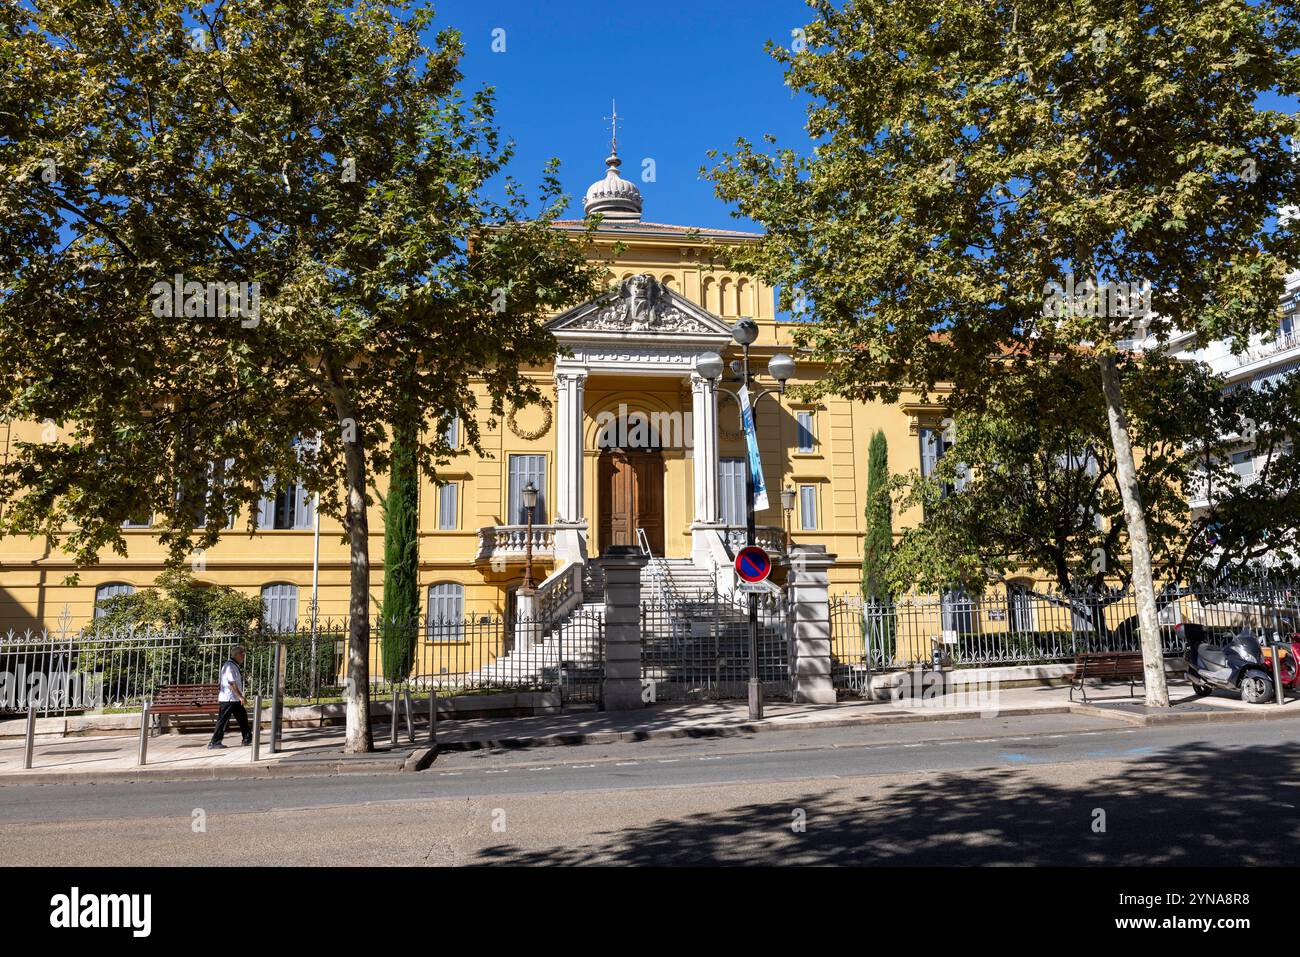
pixel 508 543
pixel 770 538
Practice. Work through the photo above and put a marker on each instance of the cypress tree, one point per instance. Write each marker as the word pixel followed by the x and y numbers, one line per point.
pixel 401 604
pixel 877 545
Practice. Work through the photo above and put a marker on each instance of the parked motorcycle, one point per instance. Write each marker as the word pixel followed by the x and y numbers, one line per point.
pixel 1236 665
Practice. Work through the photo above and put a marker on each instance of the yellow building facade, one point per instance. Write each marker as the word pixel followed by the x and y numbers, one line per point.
pixel 632 446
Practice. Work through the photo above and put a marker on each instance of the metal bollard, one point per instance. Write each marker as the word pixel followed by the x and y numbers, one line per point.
pixel 392 731
pixel 410 722
pixel 142 755
pixel 277 695
pixel 433 715
pixel 257 728
pixel 1278 694
pixel 30 744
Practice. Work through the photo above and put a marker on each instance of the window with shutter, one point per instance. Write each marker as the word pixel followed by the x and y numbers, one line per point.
pixel 445 620
pixel 957 611
pixel 447 501
pixel 807 507
pixel 525 469
pixel 805 425
pixel 731 491
pixel 280 606
pixel 110 590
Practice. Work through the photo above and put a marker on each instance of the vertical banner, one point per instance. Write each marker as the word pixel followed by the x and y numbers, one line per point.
pixel 751 444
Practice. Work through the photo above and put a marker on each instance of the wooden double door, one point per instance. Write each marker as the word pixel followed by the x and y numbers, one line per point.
pixel 631 497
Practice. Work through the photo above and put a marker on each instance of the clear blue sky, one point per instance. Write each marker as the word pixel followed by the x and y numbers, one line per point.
pixel 689 75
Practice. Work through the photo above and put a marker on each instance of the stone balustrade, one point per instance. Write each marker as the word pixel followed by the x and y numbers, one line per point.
pixel 508 543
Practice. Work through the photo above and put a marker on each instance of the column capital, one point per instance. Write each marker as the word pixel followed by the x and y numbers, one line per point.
pixel 568 376
pixel 701 384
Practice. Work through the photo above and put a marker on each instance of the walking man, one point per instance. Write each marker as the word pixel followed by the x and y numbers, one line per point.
pixel 230 698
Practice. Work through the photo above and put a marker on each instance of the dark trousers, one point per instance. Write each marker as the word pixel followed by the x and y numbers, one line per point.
pixel 229 708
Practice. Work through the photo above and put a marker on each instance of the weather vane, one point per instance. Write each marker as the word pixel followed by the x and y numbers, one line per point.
pixel 613 127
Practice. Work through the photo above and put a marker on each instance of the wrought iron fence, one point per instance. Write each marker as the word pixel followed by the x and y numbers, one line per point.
pixel 695 645
pixel 98 668
pixel 1004 627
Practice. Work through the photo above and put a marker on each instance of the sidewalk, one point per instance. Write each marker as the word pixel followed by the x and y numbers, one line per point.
pixel 319 751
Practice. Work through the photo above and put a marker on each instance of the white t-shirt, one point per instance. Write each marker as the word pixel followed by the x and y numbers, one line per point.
pixel 232 682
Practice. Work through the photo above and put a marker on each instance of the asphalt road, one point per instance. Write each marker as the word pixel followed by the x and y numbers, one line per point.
pixel 1061 789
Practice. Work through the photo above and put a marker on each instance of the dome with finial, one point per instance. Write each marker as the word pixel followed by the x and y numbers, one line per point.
pixel 613 197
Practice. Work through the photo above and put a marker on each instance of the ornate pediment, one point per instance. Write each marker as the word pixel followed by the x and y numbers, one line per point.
pixel 639 306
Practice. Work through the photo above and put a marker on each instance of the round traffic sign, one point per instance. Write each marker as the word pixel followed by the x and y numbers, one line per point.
pixel 753 564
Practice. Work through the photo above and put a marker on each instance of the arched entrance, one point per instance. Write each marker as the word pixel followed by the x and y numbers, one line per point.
pixel 630 476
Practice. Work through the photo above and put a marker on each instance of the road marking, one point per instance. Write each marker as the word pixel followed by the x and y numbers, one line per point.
pixel 503 771
pixel 541 769
pixel 669 760
pixel 575 766
pixel 451 774
pixel 625 764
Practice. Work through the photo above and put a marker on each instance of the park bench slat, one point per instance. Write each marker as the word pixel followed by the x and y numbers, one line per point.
pixel 1106 666
pixel 185 699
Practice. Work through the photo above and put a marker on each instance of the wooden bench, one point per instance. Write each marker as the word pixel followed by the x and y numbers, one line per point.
pixel 1106 666
pixel 185 699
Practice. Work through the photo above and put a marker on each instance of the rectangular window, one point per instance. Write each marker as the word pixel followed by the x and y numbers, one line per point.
pixel 525 469
pixel 447 518
pixel 805 423
pixel 445 619
pixel 288 507
pixel 807 507
pixel 731 491
pixel 934 446
pixel 452 434
pixel 1243 463
pixel 144 522
pixel 280 607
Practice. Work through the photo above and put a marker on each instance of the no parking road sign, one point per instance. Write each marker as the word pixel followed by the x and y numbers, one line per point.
pixel 753 564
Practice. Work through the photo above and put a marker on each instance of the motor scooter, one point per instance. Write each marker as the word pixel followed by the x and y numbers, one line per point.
pixel 1236 665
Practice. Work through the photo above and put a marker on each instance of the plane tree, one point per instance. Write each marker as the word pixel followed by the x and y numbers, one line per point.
pixel 1027 174
pixel 237 239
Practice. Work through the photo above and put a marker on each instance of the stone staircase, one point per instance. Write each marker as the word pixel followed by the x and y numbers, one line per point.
pixel 685 621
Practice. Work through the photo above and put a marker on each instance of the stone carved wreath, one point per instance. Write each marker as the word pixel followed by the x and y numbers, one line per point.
pixel 529 435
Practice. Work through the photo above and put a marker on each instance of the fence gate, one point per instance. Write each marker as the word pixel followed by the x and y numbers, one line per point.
pixel 695 646
pixel 579 667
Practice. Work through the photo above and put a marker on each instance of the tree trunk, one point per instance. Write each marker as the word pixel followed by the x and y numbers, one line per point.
pixel 1153 662
pixel 357 702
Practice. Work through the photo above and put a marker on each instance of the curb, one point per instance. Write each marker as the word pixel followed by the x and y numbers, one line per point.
pixel 421 758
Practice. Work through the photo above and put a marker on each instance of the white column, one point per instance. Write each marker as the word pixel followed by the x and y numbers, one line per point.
pixel 704 455
pixel 568 465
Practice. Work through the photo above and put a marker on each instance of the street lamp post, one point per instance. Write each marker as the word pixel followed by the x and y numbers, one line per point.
pixel 530 503
pixel 787 506
pixel 781 368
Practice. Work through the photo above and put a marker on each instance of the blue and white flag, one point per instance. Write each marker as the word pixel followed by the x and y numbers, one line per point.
pixel 751 443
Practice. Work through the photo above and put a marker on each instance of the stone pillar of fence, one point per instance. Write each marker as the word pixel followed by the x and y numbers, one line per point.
pixel 810 615
pixel 622 566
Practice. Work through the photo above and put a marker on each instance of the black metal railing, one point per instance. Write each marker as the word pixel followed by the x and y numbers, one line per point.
pixel 1008 627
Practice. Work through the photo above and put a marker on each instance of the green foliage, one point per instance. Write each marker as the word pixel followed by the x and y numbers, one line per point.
pixel 320 149
pixel 176 603
pixel 878 541
pixel 401 604
pixel 879 625
pixel 965 157
pixel 1041 491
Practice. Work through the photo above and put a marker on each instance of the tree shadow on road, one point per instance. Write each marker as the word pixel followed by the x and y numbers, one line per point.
pixel 1198 805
